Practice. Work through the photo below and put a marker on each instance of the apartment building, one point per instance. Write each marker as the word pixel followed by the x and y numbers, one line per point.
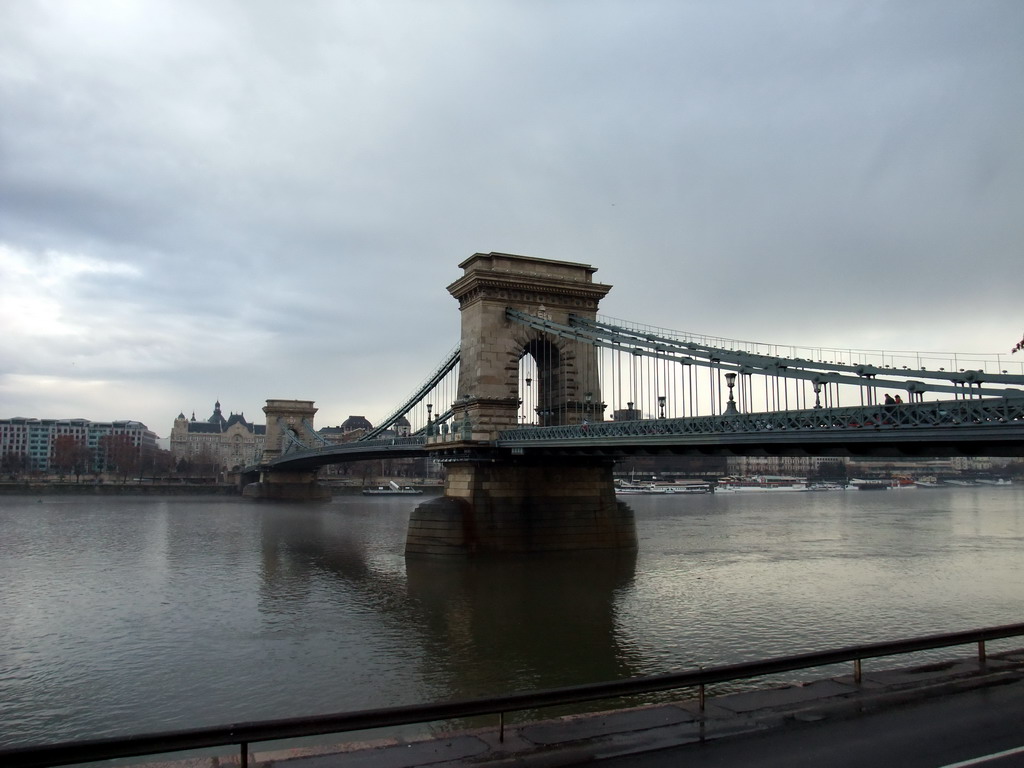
pixel 30 444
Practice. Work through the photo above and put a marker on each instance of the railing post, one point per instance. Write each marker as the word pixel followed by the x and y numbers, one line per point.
pixel 856 671
pixel 981 652
pixel 700 697
pixel 501 727
pixel 244 758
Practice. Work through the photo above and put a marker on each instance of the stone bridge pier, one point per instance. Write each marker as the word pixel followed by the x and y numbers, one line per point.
pixel 287 421
pixel 498 502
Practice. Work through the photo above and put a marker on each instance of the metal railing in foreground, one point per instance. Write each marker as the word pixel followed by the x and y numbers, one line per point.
pixel 244 734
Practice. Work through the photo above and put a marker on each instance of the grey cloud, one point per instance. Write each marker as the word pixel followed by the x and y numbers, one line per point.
pixel 301 184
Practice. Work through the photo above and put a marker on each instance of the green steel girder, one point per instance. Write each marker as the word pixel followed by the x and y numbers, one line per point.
pixel 688 352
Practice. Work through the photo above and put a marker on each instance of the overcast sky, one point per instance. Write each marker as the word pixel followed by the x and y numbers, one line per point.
pixel 243 200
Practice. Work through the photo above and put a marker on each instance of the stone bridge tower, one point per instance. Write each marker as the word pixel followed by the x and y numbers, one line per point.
pixel 495 501
pixel 285 418
pixel 492 346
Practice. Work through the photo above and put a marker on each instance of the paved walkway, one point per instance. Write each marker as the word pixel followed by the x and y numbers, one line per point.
pixel 587 738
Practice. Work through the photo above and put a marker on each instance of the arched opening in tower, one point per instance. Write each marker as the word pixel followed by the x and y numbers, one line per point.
pixel 542 384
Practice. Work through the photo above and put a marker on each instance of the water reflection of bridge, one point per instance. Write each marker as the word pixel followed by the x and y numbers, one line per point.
pixel 542 396
pixel 472 624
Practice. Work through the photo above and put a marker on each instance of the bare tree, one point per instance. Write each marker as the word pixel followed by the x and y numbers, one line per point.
pixel 71 455
pixel 14 464
pixel 205 464
pixel 63 454
pixel 121 455
pixel 162 462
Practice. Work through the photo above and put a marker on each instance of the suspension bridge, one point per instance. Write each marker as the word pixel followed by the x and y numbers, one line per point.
pixel 530 410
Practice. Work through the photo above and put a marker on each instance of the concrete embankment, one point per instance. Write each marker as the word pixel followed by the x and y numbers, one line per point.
pixel 116 489
pixel 162 489
pixel 575 740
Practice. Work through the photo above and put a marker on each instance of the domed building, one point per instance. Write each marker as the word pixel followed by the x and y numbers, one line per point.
pixel 356 424
pixel 230 443
pixel 354 427
pixel 350 429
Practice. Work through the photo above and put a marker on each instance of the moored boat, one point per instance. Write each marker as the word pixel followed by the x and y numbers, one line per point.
pixel 632 490
pixel 901 482
pixel 826 486
pixel 882 484
pixel 869 485
pixel 392 489
pixel 692 486
pixel 626 488
pixel 760 484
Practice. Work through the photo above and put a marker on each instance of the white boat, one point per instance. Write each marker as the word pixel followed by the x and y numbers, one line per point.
pixel 891 484
pixel 994 481
pixel 827 486
pixel 391 489
pixel 625 488
pixel 760 484
pixel 692 486
pixel 632 490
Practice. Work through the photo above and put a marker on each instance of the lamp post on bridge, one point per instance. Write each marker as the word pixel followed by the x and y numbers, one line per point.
pixel 661 406
pixel 730 407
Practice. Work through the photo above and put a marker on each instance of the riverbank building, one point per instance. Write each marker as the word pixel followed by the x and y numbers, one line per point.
pixel 229 442
pixel 30 445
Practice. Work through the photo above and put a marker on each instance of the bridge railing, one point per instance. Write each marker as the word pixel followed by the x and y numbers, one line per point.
pixel 356 446
pixel 244 734
pixel 944 414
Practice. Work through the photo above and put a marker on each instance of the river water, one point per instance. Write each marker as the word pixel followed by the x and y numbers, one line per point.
pixel 127 615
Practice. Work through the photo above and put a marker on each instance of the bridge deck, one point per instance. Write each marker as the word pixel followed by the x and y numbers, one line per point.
pixel 981 427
